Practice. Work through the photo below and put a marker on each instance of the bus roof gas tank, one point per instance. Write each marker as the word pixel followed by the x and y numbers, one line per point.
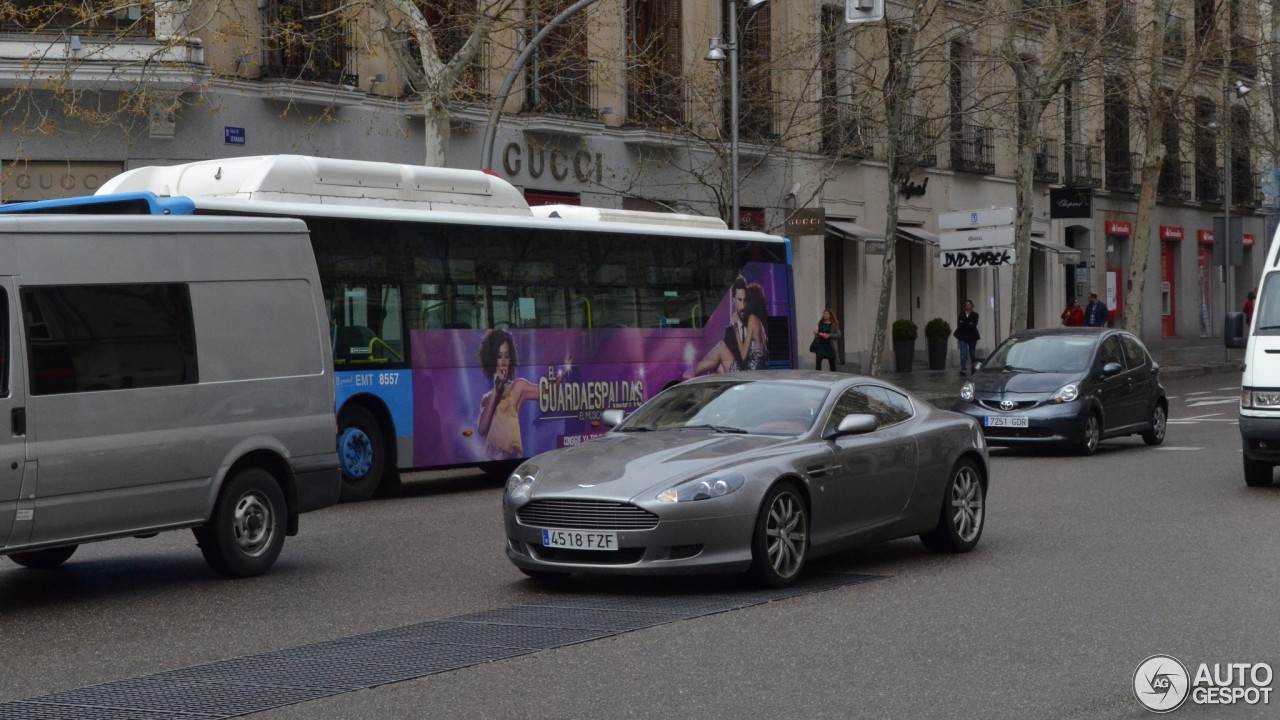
pixel 301 179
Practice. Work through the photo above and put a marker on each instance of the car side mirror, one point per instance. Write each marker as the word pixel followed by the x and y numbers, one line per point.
pixel 977 363
pixel 856 424
pixel 1111 368
pixel 611 418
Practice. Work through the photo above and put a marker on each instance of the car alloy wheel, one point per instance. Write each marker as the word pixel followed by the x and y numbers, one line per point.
pixel 1159 422
pixel 1092 434
pixel 967 509
pixel 781 542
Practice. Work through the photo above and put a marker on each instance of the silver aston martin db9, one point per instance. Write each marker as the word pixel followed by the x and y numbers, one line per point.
pixel 755 472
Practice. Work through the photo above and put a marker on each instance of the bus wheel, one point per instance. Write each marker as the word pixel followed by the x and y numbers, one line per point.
pixel 361 453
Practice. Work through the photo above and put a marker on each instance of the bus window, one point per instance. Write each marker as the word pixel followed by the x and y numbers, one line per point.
pixel 366 324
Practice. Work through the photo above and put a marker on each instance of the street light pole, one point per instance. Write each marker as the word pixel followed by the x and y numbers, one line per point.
pixel 719 52
pixel 1227 167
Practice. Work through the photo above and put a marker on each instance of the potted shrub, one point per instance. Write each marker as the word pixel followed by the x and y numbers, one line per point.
pixel 937 334
pixel 904 345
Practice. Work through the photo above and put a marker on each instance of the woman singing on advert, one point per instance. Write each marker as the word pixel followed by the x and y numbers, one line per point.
pixel 824 346
pixel 499 422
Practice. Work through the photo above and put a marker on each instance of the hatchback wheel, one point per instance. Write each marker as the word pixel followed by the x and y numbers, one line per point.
pixel 43 559
pixel 780 544
pixel 1159 420
pixel 963 512
pixel 1092 434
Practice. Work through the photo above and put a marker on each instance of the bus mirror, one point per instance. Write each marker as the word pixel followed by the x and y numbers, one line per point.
pixel 611 418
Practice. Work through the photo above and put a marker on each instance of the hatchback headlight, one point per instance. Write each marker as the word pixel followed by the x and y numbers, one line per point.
pixel 1066 394
pixel 966 392
pixel 704 488
pixel 1262 399
pixel 520 484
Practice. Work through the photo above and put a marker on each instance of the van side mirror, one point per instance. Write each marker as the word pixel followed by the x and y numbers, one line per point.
pixel 855 424
pixel 1111 368
pixel 611 418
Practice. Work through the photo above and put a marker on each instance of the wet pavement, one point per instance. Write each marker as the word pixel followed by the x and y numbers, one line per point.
pixel 941 387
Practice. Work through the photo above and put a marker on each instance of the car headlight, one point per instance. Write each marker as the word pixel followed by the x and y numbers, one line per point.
pixel 1262 399
pixel 966 392
pixel 704 488
pixel 520 484
pixel 1066 394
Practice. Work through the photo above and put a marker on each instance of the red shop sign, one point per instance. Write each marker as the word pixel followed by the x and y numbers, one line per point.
pixel 1204 237
pixel 1170 232
pixel 1249 239
pixel 1119 227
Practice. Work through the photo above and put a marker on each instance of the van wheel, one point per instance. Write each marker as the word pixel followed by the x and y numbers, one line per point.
pixel 1257 473
pixel 361 452
pixel 246 532
pixel 44 559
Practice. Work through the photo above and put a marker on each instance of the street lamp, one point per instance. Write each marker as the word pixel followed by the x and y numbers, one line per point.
pixel 1240 90
pixel 719 51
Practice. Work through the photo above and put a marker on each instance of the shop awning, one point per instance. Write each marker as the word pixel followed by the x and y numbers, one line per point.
pixel 1047 246
pixel 915 234
pixel 852 231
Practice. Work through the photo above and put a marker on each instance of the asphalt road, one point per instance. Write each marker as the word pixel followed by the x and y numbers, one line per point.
pixel 1087 566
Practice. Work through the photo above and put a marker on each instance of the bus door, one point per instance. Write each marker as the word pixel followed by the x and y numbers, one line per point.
pixel 15 521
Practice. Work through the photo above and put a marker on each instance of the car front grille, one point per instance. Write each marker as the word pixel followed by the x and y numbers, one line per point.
pixel 994 404
pixel 586 515
pixel 1008 432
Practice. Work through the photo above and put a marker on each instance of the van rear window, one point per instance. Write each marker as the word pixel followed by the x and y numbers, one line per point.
pixel 87 338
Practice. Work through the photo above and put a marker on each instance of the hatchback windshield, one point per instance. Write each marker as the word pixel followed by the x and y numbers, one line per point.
pixel 1045 353
pixel 746 406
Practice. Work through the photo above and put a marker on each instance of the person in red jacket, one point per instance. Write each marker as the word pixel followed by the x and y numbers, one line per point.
pixel 1248 309
pixel 1073 316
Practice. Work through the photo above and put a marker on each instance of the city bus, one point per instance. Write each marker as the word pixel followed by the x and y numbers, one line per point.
pixel 470 329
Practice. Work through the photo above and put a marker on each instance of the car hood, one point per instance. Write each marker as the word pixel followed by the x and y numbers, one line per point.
pixel 620 466
pixel 997 381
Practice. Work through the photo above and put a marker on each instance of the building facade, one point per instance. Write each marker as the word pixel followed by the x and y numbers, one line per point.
pixel 617 108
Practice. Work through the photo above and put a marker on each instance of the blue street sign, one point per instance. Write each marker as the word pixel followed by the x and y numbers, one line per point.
pixel 232 136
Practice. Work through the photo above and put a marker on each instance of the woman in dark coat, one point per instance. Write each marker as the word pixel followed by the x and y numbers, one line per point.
pixel 824 346
pixel 967 334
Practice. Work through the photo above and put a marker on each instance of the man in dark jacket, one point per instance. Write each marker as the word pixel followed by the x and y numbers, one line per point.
pixel 1095 312
pixel 967 334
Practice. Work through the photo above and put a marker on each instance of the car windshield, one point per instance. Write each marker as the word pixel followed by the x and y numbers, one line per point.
pixel 768 408
pixel 1042 353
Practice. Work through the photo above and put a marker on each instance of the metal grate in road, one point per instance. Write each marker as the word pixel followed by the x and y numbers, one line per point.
pixel 254 683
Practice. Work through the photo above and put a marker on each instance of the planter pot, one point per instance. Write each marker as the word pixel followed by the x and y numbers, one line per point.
pixel 937 353
pixel 904 353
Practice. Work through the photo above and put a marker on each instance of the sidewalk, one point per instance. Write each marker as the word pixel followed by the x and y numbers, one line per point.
pixel 941 387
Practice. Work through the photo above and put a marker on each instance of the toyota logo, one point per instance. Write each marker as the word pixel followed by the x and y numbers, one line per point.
pixel 1006 404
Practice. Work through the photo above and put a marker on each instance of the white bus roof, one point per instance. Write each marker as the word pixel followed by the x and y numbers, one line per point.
pixel 327 181
pixel 576 212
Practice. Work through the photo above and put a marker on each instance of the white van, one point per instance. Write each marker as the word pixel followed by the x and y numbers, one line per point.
pixel 161 373
pixel 1260 386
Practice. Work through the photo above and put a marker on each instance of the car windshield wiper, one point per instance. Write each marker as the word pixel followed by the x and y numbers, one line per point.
pixel 1270 327
pixel 636 428
pixel 1014 368
pixel 718 428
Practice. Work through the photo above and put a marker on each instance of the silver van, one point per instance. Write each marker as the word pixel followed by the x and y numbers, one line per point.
pixel 160 373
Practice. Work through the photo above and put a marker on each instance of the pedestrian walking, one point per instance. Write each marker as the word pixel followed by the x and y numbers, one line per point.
pixel 1096 313
pixel 1073 315
pixel 967 333
pixel 823 346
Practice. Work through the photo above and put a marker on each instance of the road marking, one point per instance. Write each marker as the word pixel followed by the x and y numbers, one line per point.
pixel 1212 401
pixel 1179 448
pixel 1200 392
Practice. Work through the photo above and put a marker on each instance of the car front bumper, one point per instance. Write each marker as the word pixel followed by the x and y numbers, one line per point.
pixel 1057 424
pixel 1260 438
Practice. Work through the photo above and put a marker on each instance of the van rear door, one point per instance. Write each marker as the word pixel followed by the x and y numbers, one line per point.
pixel 13 420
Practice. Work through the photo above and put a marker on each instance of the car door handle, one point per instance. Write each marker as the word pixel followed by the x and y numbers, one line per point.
pixel 18 416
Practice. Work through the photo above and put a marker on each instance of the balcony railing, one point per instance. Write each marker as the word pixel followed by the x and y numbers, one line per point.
pixel 114 20
pixel 1175 179
pixel 1122 175
pixel 300 46
pixel 657 99
pixel 1208 184
pixel 845 130
pixel 1083 165
pixel 757 115
pixel 973 149
pixel 917 141
pixel 1046 161
pixel 567 89
pixel 1246 187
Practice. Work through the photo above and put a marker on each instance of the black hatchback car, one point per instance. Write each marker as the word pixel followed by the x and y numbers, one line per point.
pixel 1069 387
